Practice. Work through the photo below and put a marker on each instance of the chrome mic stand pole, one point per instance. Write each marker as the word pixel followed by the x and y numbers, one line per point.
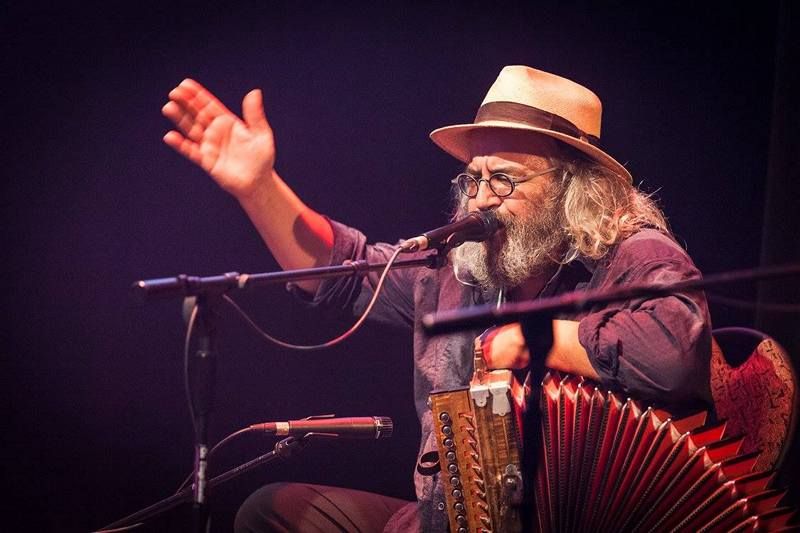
pixel 201 371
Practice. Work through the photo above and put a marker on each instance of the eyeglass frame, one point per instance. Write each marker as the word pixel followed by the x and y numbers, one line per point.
pixel 511 180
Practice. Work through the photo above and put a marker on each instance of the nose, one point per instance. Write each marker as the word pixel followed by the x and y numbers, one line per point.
pixel 486 198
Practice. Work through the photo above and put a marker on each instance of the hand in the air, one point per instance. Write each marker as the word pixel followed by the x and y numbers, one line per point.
pixel 237 153
pixel 504 347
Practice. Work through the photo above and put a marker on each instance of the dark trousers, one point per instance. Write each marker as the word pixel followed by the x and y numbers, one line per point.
pixel 298 507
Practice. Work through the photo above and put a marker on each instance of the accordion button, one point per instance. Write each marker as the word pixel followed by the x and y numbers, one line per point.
pixel 451 456
pixel 452 468
pixel 462 530
pixel 455 481
pixel 445 417
pixel 447 430
pixel 440 506
pixel 448 443
pixel 457 494
pixel 461 520
pixel 459 507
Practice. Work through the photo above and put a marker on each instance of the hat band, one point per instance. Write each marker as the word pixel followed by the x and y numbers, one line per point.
pixel 532 116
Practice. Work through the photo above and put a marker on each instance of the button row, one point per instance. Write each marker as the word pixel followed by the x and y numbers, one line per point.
pixel 452 468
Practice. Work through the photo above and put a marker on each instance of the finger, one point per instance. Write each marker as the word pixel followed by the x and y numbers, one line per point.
pixel 198 101
pixel 183 146
pixel 194 109
pixel 172 111
pixel 177 114
pixel 191 129
pixel 182 99
pixel 253 111
pixel 190 125
pixel 205 116
pixel 186 91
pixel 182 119
pixel 174 139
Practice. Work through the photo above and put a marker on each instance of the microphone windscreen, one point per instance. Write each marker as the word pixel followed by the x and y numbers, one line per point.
pixel 384 426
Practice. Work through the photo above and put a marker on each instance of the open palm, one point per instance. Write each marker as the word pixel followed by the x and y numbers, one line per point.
pixel 236 153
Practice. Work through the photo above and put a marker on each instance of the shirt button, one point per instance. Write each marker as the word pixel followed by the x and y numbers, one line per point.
pixel 440 506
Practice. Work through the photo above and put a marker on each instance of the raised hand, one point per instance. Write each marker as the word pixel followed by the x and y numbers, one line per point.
pixel 238 154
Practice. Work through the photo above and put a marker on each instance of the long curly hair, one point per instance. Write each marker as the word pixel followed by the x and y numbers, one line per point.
pixel 601 209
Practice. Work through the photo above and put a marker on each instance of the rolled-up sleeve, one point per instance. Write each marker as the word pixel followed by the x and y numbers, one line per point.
pixel 654 349
pixel 351 294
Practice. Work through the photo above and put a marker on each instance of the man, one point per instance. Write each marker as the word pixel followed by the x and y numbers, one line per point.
pixel 571 219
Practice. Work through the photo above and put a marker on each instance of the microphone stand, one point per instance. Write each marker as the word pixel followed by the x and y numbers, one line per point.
pixel 205 293
pixel 201 373
pixel 183 285
pixel 485 316
pixel 283 449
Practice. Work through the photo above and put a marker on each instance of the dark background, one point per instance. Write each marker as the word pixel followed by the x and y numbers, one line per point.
pixel 97 424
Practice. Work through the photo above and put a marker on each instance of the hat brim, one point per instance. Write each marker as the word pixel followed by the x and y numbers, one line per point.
pixel 455 141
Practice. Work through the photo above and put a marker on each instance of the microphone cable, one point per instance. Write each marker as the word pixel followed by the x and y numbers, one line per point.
pixel 263 334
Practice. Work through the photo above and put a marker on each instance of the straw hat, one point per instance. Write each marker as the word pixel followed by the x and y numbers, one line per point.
pixel 526 99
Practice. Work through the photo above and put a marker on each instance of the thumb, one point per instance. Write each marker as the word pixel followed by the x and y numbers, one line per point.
pixel 253 111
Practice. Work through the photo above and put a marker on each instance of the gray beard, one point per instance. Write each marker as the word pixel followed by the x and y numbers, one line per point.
pixel 524 249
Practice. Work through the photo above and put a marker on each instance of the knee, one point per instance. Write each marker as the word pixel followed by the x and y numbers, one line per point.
pixel 260 512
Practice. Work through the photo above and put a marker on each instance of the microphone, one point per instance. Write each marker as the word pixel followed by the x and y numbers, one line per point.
pixel 477 226
pixel 358 427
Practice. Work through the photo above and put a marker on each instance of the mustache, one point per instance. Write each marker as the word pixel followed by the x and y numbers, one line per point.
pixel 528 243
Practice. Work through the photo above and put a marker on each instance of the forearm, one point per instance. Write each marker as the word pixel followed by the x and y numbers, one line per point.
pixel 567 354
pixel 657 352
pixel 296 235
pixel 506 347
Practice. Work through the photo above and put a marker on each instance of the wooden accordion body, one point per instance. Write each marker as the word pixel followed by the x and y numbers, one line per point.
pixel 604 463
pixel 480 446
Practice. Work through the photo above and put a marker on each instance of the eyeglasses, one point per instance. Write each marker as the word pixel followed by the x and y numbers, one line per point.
pixel 502 185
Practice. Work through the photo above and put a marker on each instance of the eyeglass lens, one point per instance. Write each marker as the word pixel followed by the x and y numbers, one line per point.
pixel 500 184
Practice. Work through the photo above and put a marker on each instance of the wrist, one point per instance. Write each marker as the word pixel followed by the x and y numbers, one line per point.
pixel 258 189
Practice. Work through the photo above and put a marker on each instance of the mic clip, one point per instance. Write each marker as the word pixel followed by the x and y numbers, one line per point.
pixel 317 417
pixel 324 435
pixel 423 243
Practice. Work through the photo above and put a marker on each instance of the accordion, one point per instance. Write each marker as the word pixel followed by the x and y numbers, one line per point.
pixel 603 463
